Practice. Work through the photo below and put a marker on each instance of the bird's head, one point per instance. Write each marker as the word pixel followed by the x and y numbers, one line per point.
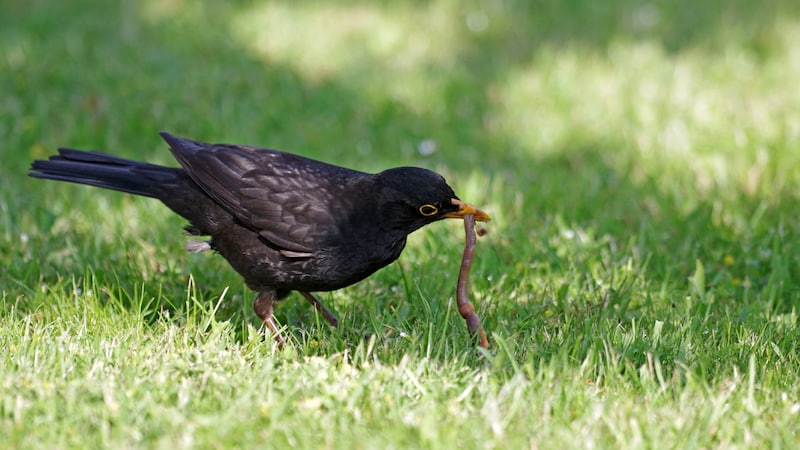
pixel 410 198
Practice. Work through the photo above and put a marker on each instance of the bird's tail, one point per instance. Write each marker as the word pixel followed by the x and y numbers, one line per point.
pixel 107 171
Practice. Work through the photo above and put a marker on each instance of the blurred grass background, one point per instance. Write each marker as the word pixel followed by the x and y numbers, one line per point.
pixel 641 161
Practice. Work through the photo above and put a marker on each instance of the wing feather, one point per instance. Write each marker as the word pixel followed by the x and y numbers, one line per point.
pixel 291 201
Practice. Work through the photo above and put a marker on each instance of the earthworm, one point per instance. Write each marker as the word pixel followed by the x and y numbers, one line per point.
pixel 462 289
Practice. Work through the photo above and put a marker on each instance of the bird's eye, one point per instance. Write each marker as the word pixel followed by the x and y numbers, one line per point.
pixel 428 210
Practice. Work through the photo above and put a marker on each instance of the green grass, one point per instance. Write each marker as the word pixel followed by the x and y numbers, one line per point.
pixel 639 281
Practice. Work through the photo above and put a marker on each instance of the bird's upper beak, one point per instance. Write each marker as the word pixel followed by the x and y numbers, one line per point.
pixel 466 208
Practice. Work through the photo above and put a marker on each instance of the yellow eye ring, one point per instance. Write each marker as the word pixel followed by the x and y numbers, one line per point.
pixel 428 210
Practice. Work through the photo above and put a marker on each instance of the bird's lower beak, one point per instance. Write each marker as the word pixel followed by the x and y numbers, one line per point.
pixel 466 208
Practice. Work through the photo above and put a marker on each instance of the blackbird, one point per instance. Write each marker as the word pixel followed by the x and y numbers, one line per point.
pixel 282 221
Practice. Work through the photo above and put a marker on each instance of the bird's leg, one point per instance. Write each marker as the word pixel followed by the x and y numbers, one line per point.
pixel 321 308
pixel 264 305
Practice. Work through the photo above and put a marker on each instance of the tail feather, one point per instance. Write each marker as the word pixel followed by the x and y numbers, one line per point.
pixel 106 171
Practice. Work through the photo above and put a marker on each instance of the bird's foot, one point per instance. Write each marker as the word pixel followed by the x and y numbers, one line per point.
pixel 264 305
pixel 276 333
pixel 332 320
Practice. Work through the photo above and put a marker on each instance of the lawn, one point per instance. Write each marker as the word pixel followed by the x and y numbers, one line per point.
pixel 640 281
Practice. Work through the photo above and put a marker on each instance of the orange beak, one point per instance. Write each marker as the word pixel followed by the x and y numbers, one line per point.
pixel 466 208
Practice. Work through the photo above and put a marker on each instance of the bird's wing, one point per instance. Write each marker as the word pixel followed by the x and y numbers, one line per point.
pixel 289 200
